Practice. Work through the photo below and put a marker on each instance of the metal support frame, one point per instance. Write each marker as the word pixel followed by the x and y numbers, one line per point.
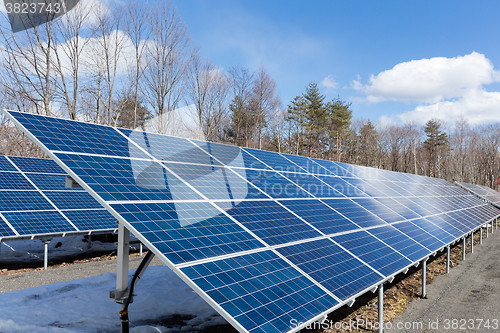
pixel 496 223
pixel 45 252
pixel 463 248
pixel 121 292
pixel 381 308
pixel 491 226
pixel 424 278
pixel 140 249
pixel 481 235
pixel 487 230
pixel 448 259
pixel 472 242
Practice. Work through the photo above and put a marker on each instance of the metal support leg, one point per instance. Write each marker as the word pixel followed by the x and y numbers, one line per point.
pixel 487 231
pixel 123 256
pixel 463 248
pixel 481 235
pixel 45 252
pixel 381 308
pixel 496 223
pixel 472 242
pixel 140 249
pixel 424 277
pixel 448 259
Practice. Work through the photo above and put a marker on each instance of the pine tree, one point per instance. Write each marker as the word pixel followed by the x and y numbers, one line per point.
pixel 296 114
pixel 339 119
pixel 315 120
pixel 436 142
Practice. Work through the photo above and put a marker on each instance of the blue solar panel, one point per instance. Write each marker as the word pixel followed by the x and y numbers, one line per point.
pixel 308 164
pixel 187 231
pixel 73 136
pixel 223 154
pixel 23 195
pixel 28 223
pixel 14 181
pixel 399 208
pixel 448 224
pixel 271 222
pixel 246 228
pixel 418 234
pixel 93 219
pixel 38 165
pixel 127 179
pixel 5 164
pixel 49 182
pixel 342 186
pixel 338 271
pixel 313 185
pixel 217 183
pixel 354 212
pixel 365 187
pixel 23 200
pixel 320 215
pixel 5 230
pixel 333 168
pixel 379 210
pixel 275 161
pixel 272 183
pixel 72 200
pixel 179 150
pixel 373 252
pixel 400 242
pixel 261 291
pixel 406 202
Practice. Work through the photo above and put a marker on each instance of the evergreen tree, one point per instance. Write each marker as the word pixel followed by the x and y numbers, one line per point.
pixel 296 114
pixel 339 119
pixel 127 116
pixel 315 116
pixel 368 137
pixel 436 142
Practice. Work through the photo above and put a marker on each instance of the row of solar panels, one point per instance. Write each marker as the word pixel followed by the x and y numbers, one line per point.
pixel 483 192
pixel 264 238
pixel 35 202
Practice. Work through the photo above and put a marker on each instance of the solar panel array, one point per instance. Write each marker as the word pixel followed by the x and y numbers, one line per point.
pixel 267 239
pixel 484 192
pixel 34 201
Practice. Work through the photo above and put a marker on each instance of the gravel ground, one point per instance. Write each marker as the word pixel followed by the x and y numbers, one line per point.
pixel 465 300
pixel 71 272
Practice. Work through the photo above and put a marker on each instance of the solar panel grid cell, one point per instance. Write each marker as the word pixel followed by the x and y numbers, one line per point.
pixel 261 291
pixel 337 270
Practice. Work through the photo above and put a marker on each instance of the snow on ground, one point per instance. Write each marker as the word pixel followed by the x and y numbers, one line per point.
pixel 84 305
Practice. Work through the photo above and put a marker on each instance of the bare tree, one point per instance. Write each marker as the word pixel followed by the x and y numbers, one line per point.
pixel 27 63
pixel 138 30
pixel 207 89
pixel 242 123
pixel 167 61
pixel 265 100
pixel 70 43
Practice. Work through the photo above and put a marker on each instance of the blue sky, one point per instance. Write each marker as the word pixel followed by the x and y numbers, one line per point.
pixel 396 61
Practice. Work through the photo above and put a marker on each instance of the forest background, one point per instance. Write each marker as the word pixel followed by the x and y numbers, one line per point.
pixel 136 66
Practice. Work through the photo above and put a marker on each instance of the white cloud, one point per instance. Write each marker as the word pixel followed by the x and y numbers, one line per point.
pixel 477 105
pixel 430 80
pixel 329 83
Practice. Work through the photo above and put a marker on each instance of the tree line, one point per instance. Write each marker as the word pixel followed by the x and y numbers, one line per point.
pixel 128 65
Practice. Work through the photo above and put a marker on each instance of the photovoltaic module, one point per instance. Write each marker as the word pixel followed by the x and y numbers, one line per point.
pixel 267 239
